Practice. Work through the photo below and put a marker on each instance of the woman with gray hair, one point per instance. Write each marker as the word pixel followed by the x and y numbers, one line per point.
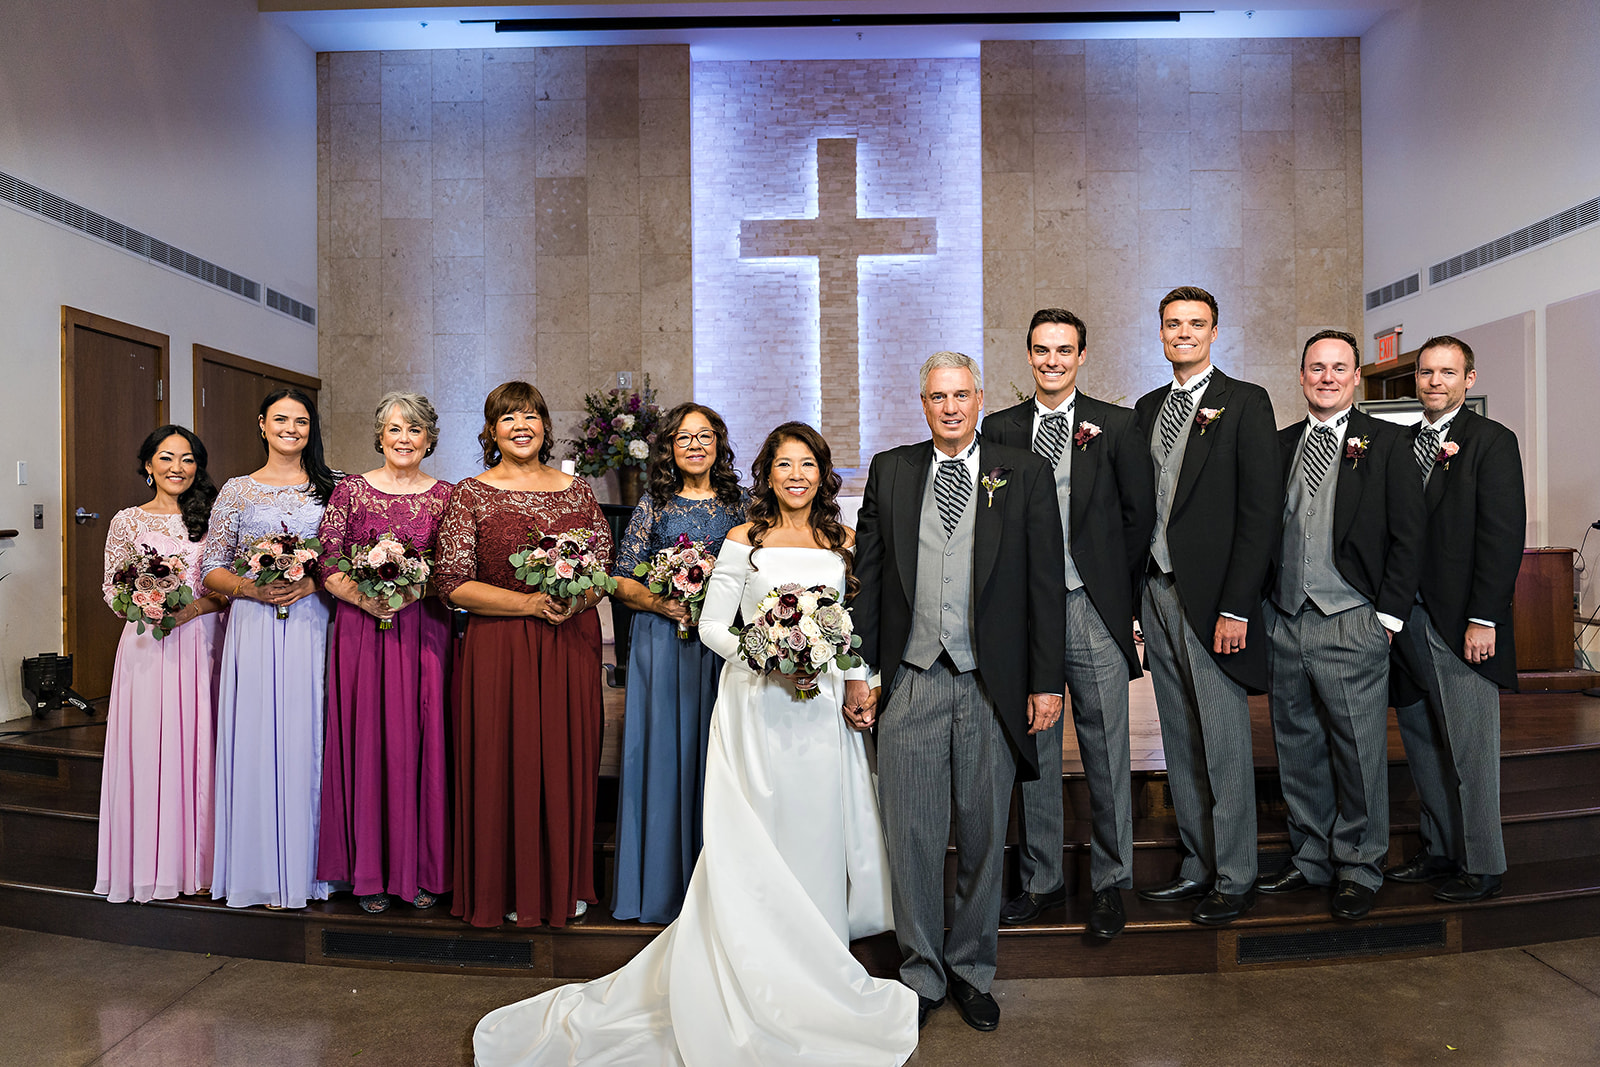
pixel 384 829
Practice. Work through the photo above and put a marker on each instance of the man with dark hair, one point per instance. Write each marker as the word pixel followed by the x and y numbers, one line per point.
pixel 1217 481
pixel 1459 650
pixel 1345 578
pixel 1107 503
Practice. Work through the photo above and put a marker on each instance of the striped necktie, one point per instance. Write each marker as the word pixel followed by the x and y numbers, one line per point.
pixel 1051 439
pixel 1427 450
pixel 1316 457
pixel 951 487
pixel 1174 417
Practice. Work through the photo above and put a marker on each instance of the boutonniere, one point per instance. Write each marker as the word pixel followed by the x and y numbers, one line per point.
pixel 1087 431
pixel 1206 416
pixel 994 480
pixel 1355 450
pixel 1447 452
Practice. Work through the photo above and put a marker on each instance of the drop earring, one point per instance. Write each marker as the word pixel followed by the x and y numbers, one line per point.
pixel 150 480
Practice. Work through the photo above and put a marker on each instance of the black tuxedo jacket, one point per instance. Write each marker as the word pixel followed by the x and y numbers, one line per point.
pixel 1113 506
pixel 1226 515
pixel 1018 605
pixel 1377 511
pixel 1476 516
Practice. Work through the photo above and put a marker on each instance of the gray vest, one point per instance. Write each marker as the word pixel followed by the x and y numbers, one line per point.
pixel 942 611
pixel 1063 473
pixel 1167 468
pixel 1308 572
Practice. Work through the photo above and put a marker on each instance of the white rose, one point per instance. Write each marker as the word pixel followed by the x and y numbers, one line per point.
pixel 808 602
pixel 809 627
pixel 626 423
pixel 638 449
pixel 821 654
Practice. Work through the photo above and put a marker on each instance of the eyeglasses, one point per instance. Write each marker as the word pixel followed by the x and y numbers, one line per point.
pixel 705 438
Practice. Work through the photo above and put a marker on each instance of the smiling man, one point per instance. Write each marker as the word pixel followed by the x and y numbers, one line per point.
pixel 1106 499
pixel 1345 578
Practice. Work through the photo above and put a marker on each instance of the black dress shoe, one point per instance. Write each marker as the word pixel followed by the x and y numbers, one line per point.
pixel 1423 867
pixel 1027 906
pixel 1466 888
pixel 1175 890
pixel 1106 917
pixel 1352 900
pixel 1289 880
pixel 978 1009
pixel 1219 908
pixel 925 1008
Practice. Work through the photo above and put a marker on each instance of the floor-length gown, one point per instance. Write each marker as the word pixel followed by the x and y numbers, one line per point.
pixel 757 968
pixel 672 684
pixel 155 783
pixel 385 798
pixel 269 712
pixel 526 712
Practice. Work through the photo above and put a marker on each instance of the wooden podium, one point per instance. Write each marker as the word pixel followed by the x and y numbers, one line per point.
pixel 1542 610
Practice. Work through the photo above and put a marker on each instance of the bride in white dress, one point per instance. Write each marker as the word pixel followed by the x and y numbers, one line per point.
pixel 757 968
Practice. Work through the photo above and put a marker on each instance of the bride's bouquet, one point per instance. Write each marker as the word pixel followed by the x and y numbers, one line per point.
pixel 563 564
pixel 385 570
pixel 279 555
pixel 679 572
pixel 149 590
pixel 800 631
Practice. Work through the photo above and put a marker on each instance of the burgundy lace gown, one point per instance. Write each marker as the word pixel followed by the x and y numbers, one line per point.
pixel 385 797
pixel 526 709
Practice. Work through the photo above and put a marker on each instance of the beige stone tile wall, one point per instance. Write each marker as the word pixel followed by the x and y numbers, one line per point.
pixel 497 214
pixel 1114 171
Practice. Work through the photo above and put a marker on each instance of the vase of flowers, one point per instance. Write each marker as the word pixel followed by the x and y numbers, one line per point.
pixel 618 428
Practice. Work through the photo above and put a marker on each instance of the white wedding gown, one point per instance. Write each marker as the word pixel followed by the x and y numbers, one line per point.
pixel 757 968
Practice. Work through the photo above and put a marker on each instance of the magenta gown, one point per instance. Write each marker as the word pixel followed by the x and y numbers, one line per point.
pixel 156 782
pixel 385 799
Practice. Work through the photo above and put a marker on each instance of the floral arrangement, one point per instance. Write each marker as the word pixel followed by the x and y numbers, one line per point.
pixel 995 479
pixel 1447 452
pixel 149 590
pixel 679 572
pixel 280 555
pixel 564 565
pixel 1206 417
pixel 1355 450
pixel 617 431
pixel 1087 431
pixel 798 632
pixel 385 570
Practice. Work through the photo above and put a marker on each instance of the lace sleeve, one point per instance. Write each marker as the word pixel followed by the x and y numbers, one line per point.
pixel 335 530
pixel 724 592
pixel 119 548
pixel 635 547
pixel 458 541
pixel 597 522
pixel 222 538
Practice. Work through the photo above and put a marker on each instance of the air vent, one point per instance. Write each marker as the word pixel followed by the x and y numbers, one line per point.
pixel 32 198
pixel 1340 943
pixel 38 766
pixel 1585 214
pixel 460 951
pixel 1393 291
pixel 290 306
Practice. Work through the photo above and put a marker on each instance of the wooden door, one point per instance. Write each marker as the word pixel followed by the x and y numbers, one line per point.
pixel 228 394
pixel 113 387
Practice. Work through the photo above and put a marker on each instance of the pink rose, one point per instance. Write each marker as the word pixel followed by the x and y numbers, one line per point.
pixel 295 573
pixel 565 569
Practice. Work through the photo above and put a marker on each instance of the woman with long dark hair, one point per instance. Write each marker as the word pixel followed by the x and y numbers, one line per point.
pixel 270 696
pixel 526 695
pixel 155 783
pixel 757 967
pixel 672 683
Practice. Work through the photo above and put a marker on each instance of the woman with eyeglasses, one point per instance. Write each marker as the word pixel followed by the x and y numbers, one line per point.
pixel 672 683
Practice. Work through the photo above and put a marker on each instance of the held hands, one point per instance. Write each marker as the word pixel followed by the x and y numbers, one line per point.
pixel 556 610
pixel 1043 711
pixel 676 610
pixel 280 593
pixel 1229 636
pixel 1480 642
pixel 860 704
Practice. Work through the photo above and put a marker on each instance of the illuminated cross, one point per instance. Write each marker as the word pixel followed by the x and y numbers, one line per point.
pixel 837 236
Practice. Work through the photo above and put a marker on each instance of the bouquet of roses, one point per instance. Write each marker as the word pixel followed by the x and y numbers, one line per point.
pixel 384 569
pixel 562 565
pixel 280 555
pixel 800 631
pixel 679 572
pixel 618 429
pixel 149 590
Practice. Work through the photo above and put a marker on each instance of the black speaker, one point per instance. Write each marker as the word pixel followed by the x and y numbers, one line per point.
pixel 47 681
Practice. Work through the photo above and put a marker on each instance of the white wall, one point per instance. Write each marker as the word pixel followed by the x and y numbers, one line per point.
pixel 1478 118
pixel 192 120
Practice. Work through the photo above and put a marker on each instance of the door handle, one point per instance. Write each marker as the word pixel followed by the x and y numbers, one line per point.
pixel 81 517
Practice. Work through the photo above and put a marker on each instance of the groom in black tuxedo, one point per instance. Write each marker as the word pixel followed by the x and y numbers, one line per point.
pixel 960 612
pixel 1106 498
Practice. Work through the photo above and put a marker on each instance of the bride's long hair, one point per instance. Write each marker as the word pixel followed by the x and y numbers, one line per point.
pixel 826 529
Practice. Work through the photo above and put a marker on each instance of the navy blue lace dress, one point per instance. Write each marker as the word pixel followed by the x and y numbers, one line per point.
pixel 672 684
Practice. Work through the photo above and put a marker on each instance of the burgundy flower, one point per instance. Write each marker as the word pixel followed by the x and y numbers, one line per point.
pixel 389 571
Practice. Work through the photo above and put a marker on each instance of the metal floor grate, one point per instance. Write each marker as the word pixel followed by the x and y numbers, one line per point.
pixel 1340 944
pixel 402 948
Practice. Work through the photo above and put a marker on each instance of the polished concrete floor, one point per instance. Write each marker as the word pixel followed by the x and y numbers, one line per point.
pixel 70 1002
